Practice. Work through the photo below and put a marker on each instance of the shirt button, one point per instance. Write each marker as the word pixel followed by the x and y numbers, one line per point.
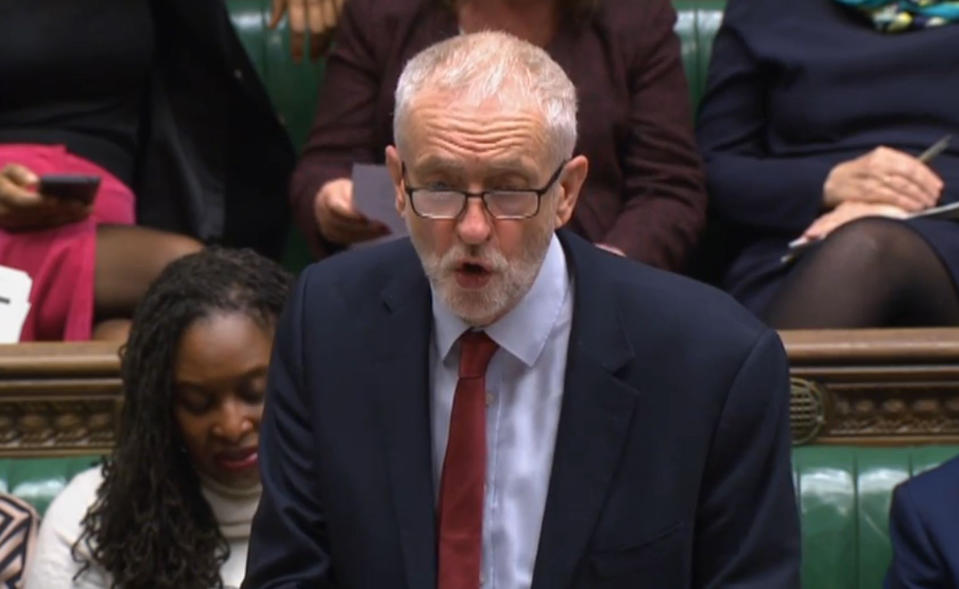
pixel 238 74
pixel 482 579
pixel 489 399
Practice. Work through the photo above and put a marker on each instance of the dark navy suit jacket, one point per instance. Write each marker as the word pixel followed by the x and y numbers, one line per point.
pixel 924 529
pixel 672 458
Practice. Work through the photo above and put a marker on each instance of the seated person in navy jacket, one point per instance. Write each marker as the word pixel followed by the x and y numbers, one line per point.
pixel 496 403
pixel 923 531
pixel 814 118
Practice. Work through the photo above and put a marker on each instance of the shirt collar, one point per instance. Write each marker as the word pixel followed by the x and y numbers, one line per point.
pixel 524 331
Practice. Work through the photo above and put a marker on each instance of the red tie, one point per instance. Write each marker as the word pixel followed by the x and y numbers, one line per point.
pixel 464 469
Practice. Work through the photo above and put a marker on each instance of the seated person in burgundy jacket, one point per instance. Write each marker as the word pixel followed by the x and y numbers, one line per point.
pixel 644 197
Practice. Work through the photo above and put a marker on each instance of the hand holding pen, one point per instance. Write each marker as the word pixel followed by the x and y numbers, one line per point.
pixel 884 182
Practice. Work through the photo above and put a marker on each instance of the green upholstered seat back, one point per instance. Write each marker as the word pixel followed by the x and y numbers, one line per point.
pixel 291 86
pixel 38 480
pixel 696 24
pixel 844 494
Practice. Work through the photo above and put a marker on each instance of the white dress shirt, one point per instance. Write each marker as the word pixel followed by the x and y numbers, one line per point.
pixel 524 383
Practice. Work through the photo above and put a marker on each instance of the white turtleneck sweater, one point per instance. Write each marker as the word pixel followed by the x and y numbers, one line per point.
pixel 52 566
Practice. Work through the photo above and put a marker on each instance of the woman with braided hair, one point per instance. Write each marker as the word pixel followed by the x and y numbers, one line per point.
pixel 171 506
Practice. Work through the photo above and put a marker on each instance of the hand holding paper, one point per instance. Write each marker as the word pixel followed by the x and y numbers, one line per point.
pixel 374 196
pixel 338 218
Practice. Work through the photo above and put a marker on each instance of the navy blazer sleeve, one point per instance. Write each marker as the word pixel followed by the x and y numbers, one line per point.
pixel 746 184
pixel 747 527
pixel 916 563
pixel 288 546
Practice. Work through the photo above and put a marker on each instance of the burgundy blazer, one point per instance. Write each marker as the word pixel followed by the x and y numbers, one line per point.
pixel 645 192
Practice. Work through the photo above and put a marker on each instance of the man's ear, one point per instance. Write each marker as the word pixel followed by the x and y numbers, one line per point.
pixel 571 184
pixel 395 167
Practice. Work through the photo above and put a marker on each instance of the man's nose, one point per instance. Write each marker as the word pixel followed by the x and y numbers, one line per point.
pixel 233 422
pixel 473 226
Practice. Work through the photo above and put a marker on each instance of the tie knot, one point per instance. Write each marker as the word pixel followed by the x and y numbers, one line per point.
pixel 476 349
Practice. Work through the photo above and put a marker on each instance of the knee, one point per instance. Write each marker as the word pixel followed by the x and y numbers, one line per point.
pixel 862 244
pixel 173 246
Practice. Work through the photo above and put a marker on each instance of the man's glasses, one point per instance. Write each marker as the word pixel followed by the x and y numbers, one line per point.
pixel 446 203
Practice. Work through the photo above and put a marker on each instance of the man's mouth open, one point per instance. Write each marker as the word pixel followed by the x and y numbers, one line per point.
pixel 472 274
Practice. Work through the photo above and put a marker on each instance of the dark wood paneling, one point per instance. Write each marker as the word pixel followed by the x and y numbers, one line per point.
pixel 876 386
pixel 870 386
pixel 58 399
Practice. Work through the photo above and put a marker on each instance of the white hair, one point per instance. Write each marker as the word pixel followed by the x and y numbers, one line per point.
pixel 481 66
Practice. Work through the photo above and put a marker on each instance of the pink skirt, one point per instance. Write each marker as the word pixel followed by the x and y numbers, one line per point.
pixel 62 260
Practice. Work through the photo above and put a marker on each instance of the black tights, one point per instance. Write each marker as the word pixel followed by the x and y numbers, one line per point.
pixel 872 272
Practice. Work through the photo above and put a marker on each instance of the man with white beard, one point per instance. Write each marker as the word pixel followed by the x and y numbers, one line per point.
pixel 498 403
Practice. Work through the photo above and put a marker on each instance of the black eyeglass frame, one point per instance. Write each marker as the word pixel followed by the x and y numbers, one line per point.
pixel 539 192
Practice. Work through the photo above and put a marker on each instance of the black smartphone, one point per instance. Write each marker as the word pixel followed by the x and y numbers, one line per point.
pixel 79 187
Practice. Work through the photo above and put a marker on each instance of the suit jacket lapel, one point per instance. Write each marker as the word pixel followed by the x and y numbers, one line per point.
pixel 594 424
pixel 402 376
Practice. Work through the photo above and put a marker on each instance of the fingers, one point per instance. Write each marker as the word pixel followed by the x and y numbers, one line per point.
pixel 279 7
pixel 916 185
pixel 347 234
pixel 23 208
pixel 318 42
pixel 897 191
pixel 298 20
pixel 41 213
pixel 16 186
pixel 885 176
pixel 820 227
pixel 343 211
pixel 323 15
pixel 338 220
pixel 611 249
pixel 903 172
pixel 21 175
pixel 850 211
pixel 313 19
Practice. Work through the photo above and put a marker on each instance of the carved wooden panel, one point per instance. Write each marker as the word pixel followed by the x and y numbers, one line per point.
pixel 889 386
pixel 879 386
pixel 58 399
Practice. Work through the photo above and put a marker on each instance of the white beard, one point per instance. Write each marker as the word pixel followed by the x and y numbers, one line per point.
pixel 509 281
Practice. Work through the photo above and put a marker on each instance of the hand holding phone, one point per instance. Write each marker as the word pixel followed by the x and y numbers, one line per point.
pixel 24 207
pixel 74 187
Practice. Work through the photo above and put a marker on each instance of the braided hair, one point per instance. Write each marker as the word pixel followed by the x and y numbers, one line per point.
pixel 150 526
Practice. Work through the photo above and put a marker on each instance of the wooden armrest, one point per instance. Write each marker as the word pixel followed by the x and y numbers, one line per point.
pixel 871 346
pixel 874 386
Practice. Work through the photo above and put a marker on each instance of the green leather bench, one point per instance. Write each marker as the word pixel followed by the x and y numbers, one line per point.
pixel 843 491
pixel 38 480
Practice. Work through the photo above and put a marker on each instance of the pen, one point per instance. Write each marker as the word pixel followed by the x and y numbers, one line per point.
pixel 935 149
pixel 801 244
